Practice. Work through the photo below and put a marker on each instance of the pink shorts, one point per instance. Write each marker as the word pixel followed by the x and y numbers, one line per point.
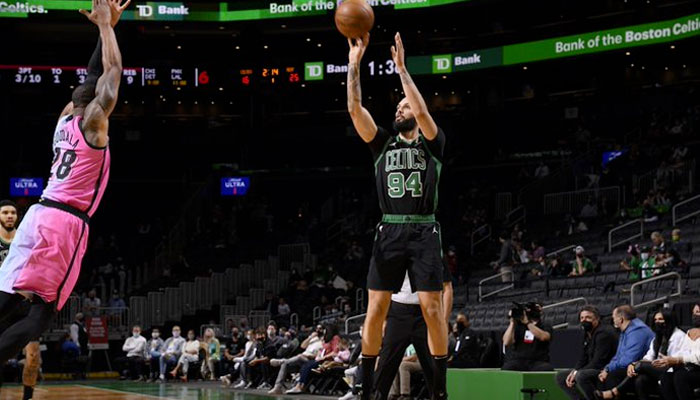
pixel 46 255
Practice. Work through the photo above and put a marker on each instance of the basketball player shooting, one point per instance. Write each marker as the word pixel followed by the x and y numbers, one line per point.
pixel 44 260
pixel 407 168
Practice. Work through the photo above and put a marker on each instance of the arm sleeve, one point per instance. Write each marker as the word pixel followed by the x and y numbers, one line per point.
pixel 638 343
pixel 437 145
pixel 377 144
pixel 74 333
pixel 605 349
pixel 128 345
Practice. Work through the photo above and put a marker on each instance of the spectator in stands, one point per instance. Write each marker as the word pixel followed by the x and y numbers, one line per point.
pixel 247 356
pixel 648 265
pixel 645 375
pixel 589 210
pixel 190 354
pixel 686 366
pixel 135 348
pixel 312 345
pixel 541 171
pixel 633 343
pixel 329 351
pixel 683 248
pixel 234 348
pixel 527 341
pixel 173 350
pixel 212 349
pixel 79 335
pixel 599 346
pixel 558 267
pixel 581 265
pixel 401 388
pixel 340 360
pixel 665 255
pixel 353 375
pixel 154 349
pixel 91 303
pixel 259 366
pixel 283 311
pixel 632 263
pixel 505 259
pixel 538 253
pixel 465 353
pixel 116 301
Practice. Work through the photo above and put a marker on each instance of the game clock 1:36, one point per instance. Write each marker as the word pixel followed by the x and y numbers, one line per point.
pixel 387 67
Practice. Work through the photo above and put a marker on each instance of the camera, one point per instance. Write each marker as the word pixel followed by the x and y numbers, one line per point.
pixel 531 310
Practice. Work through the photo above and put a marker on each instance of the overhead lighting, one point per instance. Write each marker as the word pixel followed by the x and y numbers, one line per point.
pixel 436 93
pixel 179 102
pixel 342 83
pixel 284 26
pixel 221 28
pixel 212 102
pixel 444 77
pixel 221 89
pixel 179 47
pixel 196 102
pixel 126 102
pixel 627 53
pixel 265 47
pixel 665 68
pixel 238 47
pixel 632 65
pixel 178 89
pixel 525 68
pixel 673 46
pixel 308 39
pixel 303 85
pixel 319 45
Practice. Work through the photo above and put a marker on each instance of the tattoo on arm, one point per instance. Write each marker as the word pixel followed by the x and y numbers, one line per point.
pixel 354 89
pixel 406 78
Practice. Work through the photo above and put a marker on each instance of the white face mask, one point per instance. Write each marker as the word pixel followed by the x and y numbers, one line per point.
pixel 155 335
pixel 645 256
pixel 176 333
pixel 271 333
pixel 136 334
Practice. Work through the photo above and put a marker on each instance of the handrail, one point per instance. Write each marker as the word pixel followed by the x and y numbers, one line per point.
pixel 359 299
pixel 567 248
pixel 294 320
pixel 571 201
pixel 521 218
pixel 565 302
pixel 354 317
pixel 485 237
pixel 656 278
pixel 317 313
pixel 640 221
pixel 674 217
pixel 510 286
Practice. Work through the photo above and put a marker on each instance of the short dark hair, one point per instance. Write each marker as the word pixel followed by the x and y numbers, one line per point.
pixel 505 235
pixel 85 93
pixel 8 203
pixel 591 309
pixel 627 312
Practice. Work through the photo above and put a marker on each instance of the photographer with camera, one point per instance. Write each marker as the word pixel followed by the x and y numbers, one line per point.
pixel 527 339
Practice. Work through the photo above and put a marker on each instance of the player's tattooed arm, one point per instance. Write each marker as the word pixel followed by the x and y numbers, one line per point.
pixel 361 118
pixel 420 109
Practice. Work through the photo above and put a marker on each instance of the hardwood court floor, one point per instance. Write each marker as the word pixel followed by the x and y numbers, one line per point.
pixel 116 390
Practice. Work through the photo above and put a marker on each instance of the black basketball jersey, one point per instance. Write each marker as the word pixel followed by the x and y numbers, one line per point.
pixel 407 174
pixel 4 249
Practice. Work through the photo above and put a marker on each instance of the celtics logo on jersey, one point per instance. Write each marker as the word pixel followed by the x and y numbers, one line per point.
pixel 410 159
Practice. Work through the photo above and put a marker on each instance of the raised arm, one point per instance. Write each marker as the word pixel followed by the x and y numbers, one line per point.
pixel 96 115
pixel 420 110
pixel 361 118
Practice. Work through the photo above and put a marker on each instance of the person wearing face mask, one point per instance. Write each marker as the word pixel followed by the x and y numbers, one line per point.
pixel 233 348
pixel 135 348
pixel 172 352
pixel 154 349
pixel 466 351
pixel 685 379
pixel 246 356
pixel 633 343
pixel 190 354
pixel 212 348
pixel 648 265
pixel 599 346
pixel 582 265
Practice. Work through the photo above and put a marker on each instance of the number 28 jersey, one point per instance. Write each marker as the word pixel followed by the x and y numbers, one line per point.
pixel 407 174
pixel 80 171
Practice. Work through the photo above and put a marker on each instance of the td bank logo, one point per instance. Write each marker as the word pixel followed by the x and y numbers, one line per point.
pixel 313 71
pixel 161 10
pixel 442 63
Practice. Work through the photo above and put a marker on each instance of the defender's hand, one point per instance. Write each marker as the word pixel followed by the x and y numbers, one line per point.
pixel 117 9
pixel 100 14
pixel 357 48
pixel 397 52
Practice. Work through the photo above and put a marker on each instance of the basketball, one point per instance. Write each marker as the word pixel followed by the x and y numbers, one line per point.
pixel 354 18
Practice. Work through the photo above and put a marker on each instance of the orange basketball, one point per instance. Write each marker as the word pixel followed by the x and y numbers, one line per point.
pixel 354 18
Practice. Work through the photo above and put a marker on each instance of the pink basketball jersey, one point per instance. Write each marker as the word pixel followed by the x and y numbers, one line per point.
pixel 80 171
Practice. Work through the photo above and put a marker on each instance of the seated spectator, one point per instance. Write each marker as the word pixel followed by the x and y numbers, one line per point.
pixel 646 377
pixel 312 345
pixel 258 365
pixel 665 255
pixel 91 303
pixel 353 375
pixel 557 267
pixel 581 265
pixel 248 355
pixel 70 351
pixel 172 351
pixel 465 353
pixel 212 349
pixel 135 348
pixel 154 349
pixel 190 354
pixel 590 209
pixel 283 311
pixel 527 341
pixel 683 248
pixel 538 252
pixel 339 360
pixel 234 348
pixel 401 388
pixel 632 263
pixel 327 353
pixel 632 345
pixel 599 346
pixel 506 259
pixel 648 266
pixel 685 378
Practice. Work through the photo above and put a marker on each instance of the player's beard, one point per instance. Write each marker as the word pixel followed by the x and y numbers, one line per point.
pixel 406 125
pixel 7 228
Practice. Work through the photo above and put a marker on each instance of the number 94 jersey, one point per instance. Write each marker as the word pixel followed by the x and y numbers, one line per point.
pixel 80 171
pixel 407 174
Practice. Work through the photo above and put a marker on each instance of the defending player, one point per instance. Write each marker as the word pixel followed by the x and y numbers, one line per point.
pixel 44 260
pixel 407 168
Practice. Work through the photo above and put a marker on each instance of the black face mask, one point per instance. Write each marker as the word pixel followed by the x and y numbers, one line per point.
pixel 587 326
pixel 696 321
pixel 461 326
pixel 659 327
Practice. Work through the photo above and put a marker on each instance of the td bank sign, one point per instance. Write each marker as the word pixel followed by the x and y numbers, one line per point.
pixel 477 59
pixel 152 10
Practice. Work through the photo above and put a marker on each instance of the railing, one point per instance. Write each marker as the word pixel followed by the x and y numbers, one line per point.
pixel 554 253
pixel 359 300
pixel 658 299
pixel 353 318
pixel 138 315
pixel 612 244
pixel 66 316
pixel 317 313
pixel 218 330
pixel 479 235
pixel 692 212
pixel 503 204
pixel 510 285
pixel 117 318
pixel 259 318
pixel 517 215
pixel 289 253
pixel 572 202
pixel 294 320
pixel 565 302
